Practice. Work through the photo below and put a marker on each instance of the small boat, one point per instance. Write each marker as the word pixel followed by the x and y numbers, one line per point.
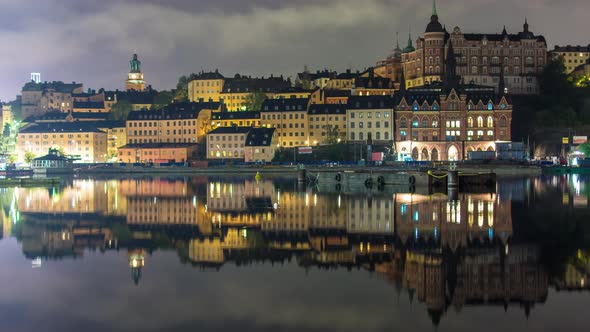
pixel 52 164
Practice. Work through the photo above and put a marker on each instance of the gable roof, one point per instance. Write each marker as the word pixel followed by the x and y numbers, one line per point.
pixel 260 136
pixel 370 102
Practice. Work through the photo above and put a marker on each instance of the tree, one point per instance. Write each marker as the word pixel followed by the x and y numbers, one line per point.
pixel 162 99
pixel 333 134
pixel 585 149
pixel 553 79
pixel 121 110
pixel 181 92
pixel 254 101
pixel 29 156
pixel 6 132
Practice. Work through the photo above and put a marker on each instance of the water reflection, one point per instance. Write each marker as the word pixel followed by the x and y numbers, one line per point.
pixel 505 248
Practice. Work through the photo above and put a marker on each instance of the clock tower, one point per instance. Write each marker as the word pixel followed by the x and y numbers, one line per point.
pixel 135 77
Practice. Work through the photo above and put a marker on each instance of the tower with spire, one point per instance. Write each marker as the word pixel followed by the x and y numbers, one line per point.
pixel 135 81
pixel 434 46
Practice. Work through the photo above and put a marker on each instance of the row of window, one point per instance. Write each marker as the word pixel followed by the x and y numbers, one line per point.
pixel 135 124
pixel 168 132
pixel 361 124
pixel 378 136
pixel 278 117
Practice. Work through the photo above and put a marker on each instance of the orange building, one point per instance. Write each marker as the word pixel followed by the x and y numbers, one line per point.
pixel 157 152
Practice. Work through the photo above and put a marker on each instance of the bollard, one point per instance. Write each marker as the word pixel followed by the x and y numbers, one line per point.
pixel 301 175
pixel 453 179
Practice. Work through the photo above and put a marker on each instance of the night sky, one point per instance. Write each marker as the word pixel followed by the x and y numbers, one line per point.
pixel 92 41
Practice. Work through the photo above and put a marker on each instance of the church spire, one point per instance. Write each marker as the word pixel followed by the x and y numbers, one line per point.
pixel 526 25
pixel 434 8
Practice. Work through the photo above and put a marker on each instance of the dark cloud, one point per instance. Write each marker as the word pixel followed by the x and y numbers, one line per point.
pixel 91 41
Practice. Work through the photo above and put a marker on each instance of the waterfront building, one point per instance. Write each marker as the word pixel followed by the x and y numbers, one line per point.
pixel 243 143
pixel 157 152
pixel 369 120
pixel 572 56
pixel 176 123
pixel 446 120
pixel 80 140
pixel 40 98
pixel 135 80
pixel 289 118
pixel 481 57
pixel 327 123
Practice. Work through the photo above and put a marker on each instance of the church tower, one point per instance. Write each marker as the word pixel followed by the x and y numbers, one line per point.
pixel 135 77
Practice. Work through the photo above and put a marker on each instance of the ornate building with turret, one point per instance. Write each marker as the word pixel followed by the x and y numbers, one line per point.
pixel 135 79
pixel 481 57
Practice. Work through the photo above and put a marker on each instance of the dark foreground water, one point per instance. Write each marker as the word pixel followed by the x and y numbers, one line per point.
pixel 231 254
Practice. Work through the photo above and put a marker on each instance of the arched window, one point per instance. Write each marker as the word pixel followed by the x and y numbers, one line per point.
pixel 435 122
pixel 503 121
pixel 403 123
pixel 425 122
pixel 470 122
pixel 490 121
pixel 479 121
pixel 415 122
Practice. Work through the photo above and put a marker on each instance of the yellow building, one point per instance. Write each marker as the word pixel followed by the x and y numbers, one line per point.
pixel 78 139
pixel 237 90
pixel 157 153
pixel 205 86
pixel 370 119
pixel 177 123
pixel 6 115
pixel 289 117
pixel 573 56
pixel 239 119
pixel 327 124
pixel 244 143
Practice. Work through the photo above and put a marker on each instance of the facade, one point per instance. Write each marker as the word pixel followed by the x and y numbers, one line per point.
pixel 330 96
pixel 261 145
pixel 77 139
pixel 446 120
pixel 157 152
pixel 205 86
pixel 237 90
pixel 370 84
pixel 227 143
pixel 242 143
pixel 369 120
pixel 40 98
pixel 135 80
pixel 90 107
pixel 289 117
pixel 6 116
pixel 116 136
pixel 177 123
pixel 391 67
pixel 573 56
pixel 239 119
pixel 327 123
pixel 480 57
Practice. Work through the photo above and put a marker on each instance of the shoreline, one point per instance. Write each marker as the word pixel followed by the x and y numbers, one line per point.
pixel 505 170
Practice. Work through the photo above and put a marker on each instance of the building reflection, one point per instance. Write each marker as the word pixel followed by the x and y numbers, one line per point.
pixel 443 252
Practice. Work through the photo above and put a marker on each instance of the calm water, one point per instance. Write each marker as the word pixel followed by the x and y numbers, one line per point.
pixel 231 254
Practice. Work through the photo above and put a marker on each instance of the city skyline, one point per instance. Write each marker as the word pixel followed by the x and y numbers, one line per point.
pixel 84 42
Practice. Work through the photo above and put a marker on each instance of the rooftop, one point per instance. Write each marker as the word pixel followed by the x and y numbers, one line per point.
pixel 230 130
pixel 285 104
pixel 260 136
pixel 370 102
pixel 61 127
pixel 326 109
pixel 157 145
